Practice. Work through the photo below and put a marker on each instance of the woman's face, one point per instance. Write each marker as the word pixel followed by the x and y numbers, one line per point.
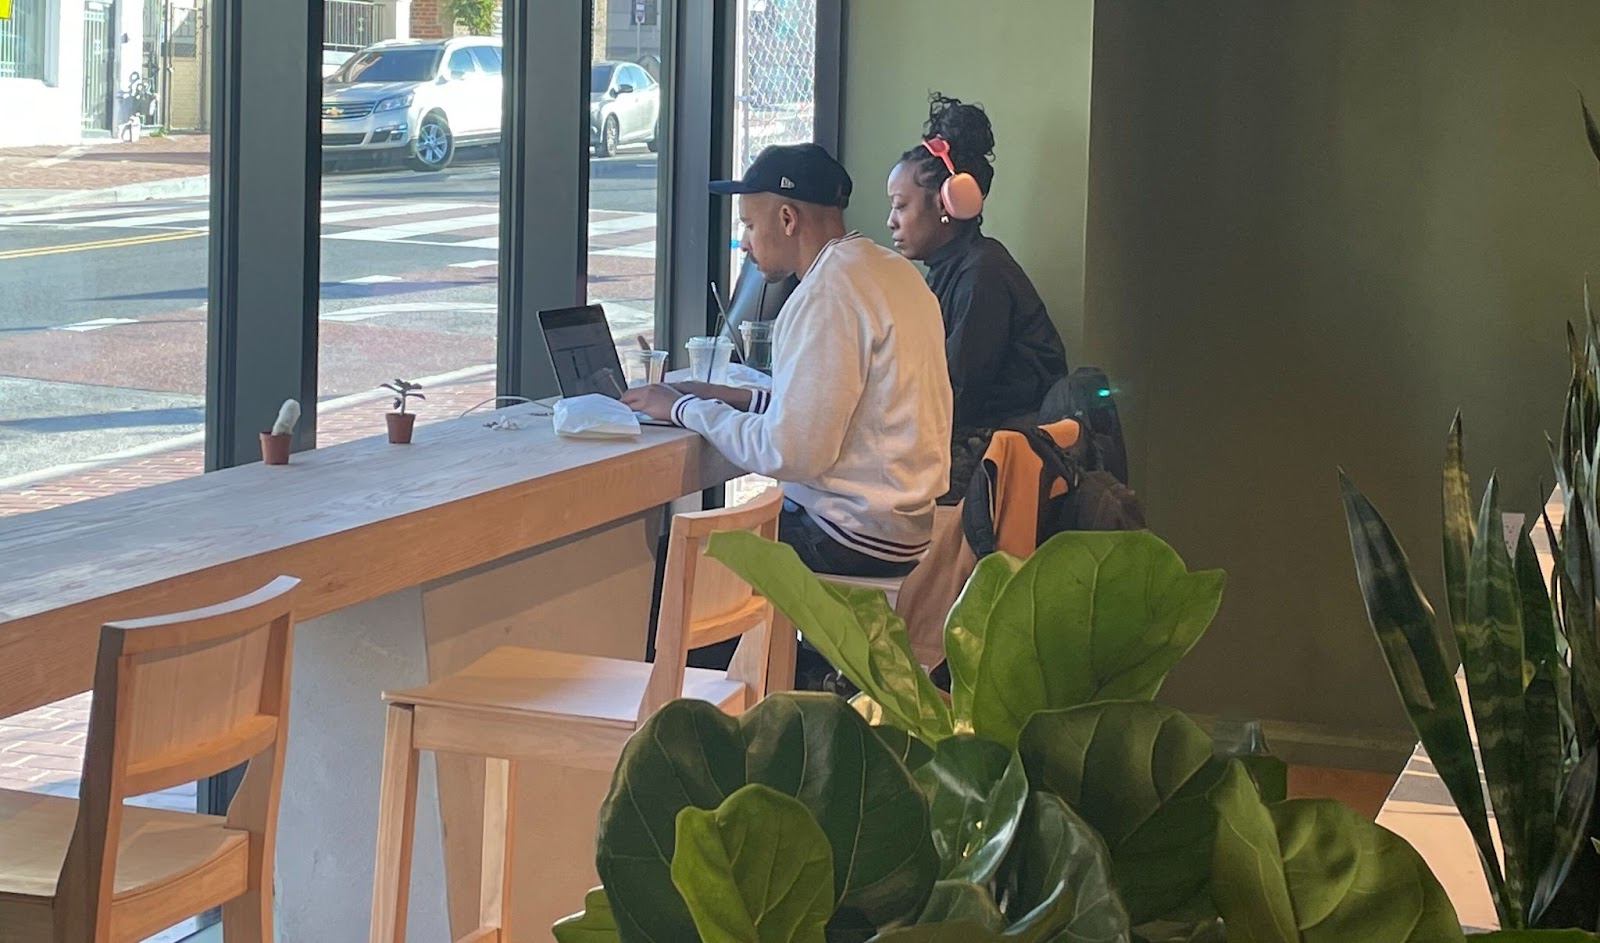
pixel 914 215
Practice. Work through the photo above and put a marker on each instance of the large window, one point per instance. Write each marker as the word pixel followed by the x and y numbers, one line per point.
pixel 626 101
pixel 104 248
pixel 411 135
pixel 774 103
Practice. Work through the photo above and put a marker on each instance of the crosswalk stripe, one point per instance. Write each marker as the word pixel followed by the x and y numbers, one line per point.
pixel 393 209
pixel 622 224
pixel 475 263
pixel 373 280
pixel 426 227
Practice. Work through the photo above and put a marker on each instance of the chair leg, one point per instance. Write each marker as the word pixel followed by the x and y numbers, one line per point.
pixel 397 815
pixel 248 918
pixel 499 821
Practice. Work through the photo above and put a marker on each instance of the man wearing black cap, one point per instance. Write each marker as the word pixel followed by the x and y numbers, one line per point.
pixel 857 424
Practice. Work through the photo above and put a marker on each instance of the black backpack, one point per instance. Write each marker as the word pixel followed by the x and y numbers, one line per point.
pixel 1094 500
pixel 1085 395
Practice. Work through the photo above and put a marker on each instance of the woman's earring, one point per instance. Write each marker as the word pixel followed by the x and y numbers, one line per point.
pixel 945 219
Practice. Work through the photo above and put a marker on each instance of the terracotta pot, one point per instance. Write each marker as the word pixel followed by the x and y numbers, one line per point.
pixel 400 425
pixel 275 448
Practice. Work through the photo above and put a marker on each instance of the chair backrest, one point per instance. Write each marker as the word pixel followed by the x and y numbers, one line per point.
pixel 178 698
pixel 703 603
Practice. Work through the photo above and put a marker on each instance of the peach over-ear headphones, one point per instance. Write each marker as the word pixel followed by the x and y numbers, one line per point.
pixel 960 194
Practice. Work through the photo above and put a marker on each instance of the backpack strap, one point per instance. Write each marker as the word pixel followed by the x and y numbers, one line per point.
pixel 977 511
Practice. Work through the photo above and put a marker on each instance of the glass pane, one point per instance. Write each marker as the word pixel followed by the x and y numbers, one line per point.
pixel 410 229
pixel 624 172
pixel 774 103
pixel 104 231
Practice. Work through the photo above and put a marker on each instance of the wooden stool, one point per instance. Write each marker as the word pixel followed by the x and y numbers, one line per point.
pixel 574 711
pixel 176 698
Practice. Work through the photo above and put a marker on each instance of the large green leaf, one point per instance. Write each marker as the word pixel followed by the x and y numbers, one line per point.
pixel 756 869
pixel 594 925
pixel 1415 653
pixel 811 746
pixel 1535 936
pixel 853 628
pixel 1572 825
pixel 1490 639
pixel 963 900
pixel 966 626
pixel 976 790
pixel 1139 774
pixel 1313 871
pixel 1459 527
pixel 1091 616
pixel 1543 747
pixel 949 931
pixel 1058 879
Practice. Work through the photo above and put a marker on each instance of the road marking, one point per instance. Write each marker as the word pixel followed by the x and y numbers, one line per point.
pixel 373 280
pixel 94 325
pixel 101 244
pixel 368 312
pixel 622 224
pixel 394 209
pixel 476 263
pixel 426 227
pixel 642 250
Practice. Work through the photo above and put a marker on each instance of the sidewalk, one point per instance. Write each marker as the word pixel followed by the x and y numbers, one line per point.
pixel 167 166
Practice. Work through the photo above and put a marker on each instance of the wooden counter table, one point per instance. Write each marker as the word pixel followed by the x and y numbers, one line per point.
pixel 415 559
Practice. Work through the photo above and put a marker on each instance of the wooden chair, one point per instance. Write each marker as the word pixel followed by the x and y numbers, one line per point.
pixel 176 698
pixel 576 711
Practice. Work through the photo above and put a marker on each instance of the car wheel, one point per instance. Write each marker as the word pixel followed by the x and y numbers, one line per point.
pixel 435 146
pixel 610 137
pixel 654 144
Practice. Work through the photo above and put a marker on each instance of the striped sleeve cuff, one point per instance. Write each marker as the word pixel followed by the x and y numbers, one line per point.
pixel 760 400
pixel 677 409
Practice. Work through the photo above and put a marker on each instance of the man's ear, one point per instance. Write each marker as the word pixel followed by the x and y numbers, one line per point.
pixel 789 217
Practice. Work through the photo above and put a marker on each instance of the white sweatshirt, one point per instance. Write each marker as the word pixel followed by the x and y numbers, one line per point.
pixel 857 426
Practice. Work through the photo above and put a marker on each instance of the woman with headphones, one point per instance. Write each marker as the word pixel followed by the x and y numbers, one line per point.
pixel 1004 352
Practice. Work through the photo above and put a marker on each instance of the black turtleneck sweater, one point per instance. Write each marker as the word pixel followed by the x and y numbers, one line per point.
pixel 1004 352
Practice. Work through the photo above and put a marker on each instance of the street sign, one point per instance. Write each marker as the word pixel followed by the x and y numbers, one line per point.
pixel 638 11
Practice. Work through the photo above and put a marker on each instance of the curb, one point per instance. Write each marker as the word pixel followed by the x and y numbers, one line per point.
pixel 26 479
pixel 169 189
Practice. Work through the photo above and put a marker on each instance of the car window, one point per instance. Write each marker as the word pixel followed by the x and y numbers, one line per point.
pixel 392 65
pixel 461 61
pixel 488 59
pixel 635 76
pixel 600 79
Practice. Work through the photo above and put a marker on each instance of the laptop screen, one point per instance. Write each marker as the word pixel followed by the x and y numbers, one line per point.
pixel 582 351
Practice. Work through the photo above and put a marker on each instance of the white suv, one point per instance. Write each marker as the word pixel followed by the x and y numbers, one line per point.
pixel 426 96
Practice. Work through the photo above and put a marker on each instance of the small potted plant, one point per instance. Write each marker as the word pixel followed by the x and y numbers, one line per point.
pixel 401 422
pixel 275 444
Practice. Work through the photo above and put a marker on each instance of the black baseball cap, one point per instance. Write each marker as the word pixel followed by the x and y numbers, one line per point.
pixel 806 173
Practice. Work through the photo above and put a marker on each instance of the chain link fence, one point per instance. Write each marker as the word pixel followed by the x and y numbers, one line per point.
pixel 777 89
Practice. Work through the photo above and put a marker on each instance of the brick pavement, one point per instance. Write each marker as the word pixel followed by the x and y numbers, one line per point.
pixel 105 164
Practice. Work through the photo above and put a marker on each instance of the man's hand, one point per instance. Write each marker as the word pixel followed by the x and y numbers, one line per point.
pixel 656 401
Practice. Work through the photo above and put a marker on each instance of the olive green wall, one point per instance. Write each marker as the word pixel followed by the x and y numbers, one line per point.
pixel 1316 230
pixel 1029 68
pixel 1313 231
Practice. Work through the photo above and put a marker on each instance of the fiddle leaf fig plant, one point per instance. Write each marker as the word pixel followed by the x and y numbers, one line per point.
pixel 1089 616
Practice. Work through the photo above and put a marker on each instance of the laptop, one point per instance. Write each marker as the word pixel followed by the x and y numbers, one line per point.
pixel 584 355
